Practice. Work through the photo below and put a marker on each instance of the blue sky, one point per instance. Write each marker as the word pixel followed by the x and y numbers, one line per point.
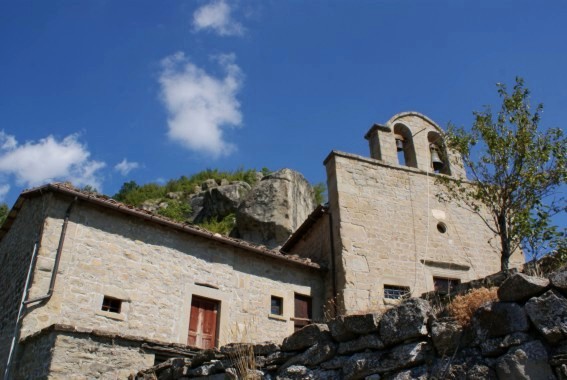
pixel 103 92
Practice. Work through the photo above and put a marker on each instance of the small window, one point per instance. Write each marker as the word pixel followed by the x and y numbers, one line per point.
pixel 276 306
pixel 396 292
pixel 445 285
pixel 112 305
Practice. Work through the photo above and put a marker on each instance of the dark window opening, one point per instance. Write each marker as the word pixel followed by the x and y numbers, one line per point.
pixel 445 285
pixel 396 292
pixel 276 306
pixel 441 227
pixel 112 305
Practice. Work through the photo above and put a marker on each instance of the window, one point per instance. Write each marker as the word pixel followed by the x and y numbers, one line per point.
pixel 394 292
pixel 112 305
pixel 445 285
pixel 276 306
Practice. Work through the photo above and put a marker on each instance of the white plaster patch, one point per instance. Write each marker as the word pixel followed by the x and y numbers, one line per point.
pixel 438 214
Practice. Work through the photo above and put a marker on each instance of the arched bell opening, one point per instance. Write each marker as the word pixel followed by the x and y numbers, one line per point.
pixel 438 158
pixel 404 146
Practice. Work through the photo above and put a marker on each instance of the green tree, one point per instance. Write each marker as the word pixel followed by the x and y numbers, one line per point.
pixel 320 191
pixel 4 210
pixel 516 171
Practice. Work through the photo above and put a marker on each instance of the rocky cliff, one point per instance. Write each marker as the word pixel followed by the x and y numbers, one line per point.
pixel 266 213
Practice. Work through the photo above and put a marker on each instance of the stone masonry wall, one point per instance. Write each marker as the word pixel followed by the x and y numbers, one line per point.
pixel 14 264
pixel 522 336
pixel 155 271
pixel 385 225
pixel 65 355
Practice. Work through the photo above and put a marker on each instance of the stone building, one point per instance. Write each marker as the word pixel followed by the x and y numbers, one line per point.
pixel 96 287
pixel 392 235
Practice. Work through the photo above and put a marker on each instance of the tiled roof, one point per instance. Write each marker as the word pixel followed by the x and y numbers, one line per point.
pixel 107 202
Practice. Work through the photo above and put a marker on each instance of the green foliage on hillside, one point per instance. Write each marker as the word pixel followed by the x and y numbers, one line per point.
pixel 133 194
pixel 178 207
pixel 223 226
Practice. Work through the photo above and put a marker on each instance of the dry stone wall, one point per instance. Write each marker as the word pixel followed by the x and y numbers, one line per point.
pixel 524 337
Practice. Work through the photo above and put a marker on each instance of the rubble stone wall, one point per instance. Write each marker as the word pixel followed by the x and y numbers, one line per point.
pixel 522 336
pixel 65 355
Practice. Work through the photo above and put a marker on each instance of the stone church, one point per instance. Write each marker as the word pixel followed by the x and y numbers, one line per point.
pixel 93 286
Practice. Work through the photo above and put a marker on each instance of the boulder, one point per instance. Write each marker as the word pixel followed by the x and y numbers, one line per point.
pixel 408 355
pixel 209 184
pixel 295 372
pixel 499 346
pixel 498 319
pixel 467 365
pixel 417 373
pixel 335 363
pixel 265 348
pixel 338 330
pixel 549 315
pixel 207 369
pixel 520 287
pixel 196 203
pixel 446 336
pixel 365 342
pixel 314 355
pixel 221 201
pixel 406 321
pixel 528 361
pixel 306 337
pixel 559 280
pixel 362 323
pixel 275 208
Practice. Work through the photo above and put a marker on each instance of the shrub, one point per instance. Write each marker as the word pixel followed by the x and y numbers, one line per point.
pixel 463 307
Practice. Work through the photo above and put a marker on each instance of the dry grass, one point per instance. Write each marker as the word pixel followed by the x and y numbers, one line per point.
pixel 463 307
pixel 242 353
pixel 244 361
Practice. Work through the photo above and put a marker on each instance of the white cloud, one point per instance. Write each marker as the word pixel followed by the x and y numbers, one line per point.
pixel 125 167
pixel 35 163
pixel 201 105
pixel 216 16
pixel 3 191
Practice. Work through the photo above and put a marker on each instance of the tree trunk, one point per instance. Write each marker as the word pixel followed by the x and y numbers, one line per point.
pixel 505 243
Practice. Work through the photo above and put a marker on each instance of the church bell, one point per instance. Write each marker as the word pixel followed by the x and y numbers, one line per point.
pixel 399 143
pixel 436 161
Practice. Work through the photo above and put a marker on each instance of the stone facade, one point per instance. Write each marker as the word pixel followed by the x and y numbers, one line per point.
pixel 153 267
pixel 17 248
pixel 391 229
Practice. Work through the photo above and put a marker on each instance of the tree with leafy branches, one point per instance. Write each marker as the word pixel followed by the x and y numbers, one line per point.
pixel 516 170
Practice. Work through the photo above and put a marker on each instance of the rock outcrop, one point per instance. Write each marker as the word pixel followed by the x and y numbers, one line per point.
pixel 274 208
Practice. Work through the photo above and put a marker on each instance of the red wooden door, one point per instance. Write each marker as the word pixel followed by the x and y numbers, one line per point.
pixel 203 322
pixel 302 313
